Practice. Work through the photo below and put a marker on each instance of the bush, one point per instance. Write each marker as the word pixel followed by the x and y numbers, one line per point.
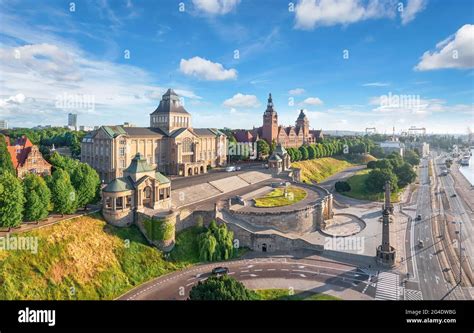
pixel 222 288
pixel 342 186
pixel 372 165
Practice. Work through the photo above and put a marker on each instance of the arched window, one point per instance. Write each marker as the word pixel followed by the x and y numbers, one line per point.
pixel 187 145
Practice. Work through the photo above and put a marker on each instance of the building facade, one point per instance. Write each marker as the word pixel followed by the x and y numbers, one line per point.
pixel 287 136
pixel 170 144
pixel 26 157
pixel 140 189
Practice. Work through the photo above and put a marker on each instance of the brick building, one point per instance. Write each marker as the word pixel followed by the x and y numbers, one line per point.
pixel 26 157
pixel 287 136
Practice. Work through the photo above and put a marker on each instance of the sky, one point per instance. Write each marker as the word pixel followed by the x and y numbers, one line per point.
pixel 350 64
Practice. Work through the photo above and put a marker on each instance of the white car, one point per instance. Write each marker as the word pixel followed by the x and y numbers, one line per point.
pixel 230 169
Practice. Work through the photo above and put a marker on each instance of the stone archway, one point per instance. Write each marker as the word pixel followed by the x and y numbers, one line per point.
pixel 202 169
pixel 190 171
pixel 264 247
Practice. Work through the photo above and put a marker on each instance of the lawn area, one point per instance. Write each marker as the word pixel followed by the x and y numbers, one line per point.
pixel 321 168
pixel 358 189
pixel 276 198
pixel 284 295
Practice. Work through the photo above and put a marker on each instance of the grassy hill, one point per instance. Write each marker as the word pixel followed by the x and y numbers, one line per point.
pixel 321 168
pixel 83 258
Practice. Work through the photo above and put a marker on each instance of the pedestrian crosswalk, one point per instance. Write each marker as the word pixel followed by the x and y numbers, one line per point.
pixel 387 287
pixel 412 295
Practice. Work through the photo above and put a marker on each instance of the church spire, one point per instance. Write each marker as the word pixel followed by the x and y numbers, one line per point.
pixel 270 103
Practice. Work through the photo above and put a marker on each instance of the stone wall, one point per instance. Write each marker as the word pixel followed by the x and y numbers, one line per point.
pixel 163 220
pixel 118 218
pixel 271 242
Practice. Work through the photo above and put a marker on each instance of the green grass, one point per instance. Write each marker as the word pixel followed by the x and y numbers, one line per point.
pixel 285 295
pixel 359 190
pixel 276 198
pixel 83 258
pixel 186 249
pixel 321 168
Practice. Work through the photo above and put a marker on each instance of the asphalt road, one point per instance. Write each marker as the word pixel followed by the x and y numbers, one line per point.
pixel 425 270
pixel 334 276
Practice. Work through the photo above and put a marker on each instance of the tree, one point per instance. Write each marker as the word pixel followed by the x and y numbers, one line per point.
pixel 411 157
pixel 342 186
pixel 377 151
pixel 216 243
pixel 85 181
pixel 263 148
pixel 372 164
pixel 375 182
pixel 6 164
pixel 37 198
pixel 304 153
pixel 405 174
pixel 221 288
pixel 62 193
pixel 311 152
pixel 383 164
pixel 11 200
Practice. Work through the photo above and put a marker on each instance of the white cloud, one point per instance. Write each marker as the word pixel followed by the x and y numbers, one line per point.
pixel 296 91
pixel 312 13
pixel 412 8
pixel 16 99
pixel 242 101
pixel 312 101
pixel 215 7
pixel 376 84
pixel 206 70
pixel 456 51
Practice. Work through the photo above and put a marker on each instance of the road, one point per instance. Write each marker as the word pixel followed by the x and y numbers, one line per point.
pixel 424 267
pixel 297 273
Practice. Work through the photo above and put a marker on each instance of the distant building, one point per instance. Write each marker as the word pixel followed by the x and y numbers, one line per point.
pixel 287 136
pixel 26 158
pixel 3 124
pixel 422 148
pixel 393 146
pixel 86 128
pixel 72 121
pixel 170 144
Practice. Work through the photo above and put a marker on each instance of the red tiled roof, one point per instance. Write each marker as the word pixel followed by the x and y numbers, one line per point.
pixel 19 150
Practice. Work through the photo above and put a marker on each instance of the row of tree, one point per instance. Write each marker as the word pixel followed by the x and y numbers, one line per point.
pixel 331 147
pixel 72 185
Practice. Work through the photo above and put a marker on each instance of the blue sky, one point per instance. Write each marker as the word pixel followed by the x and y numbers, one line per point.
pixel 110 61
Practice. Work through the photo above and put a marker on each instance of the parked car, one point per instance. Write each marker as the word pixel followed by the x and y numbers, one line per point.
pixel 453 195
pixel 418 217
pixel 420 244
pixel 237 168
pixel 220 271
pixel 240 200
pixel 230 169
